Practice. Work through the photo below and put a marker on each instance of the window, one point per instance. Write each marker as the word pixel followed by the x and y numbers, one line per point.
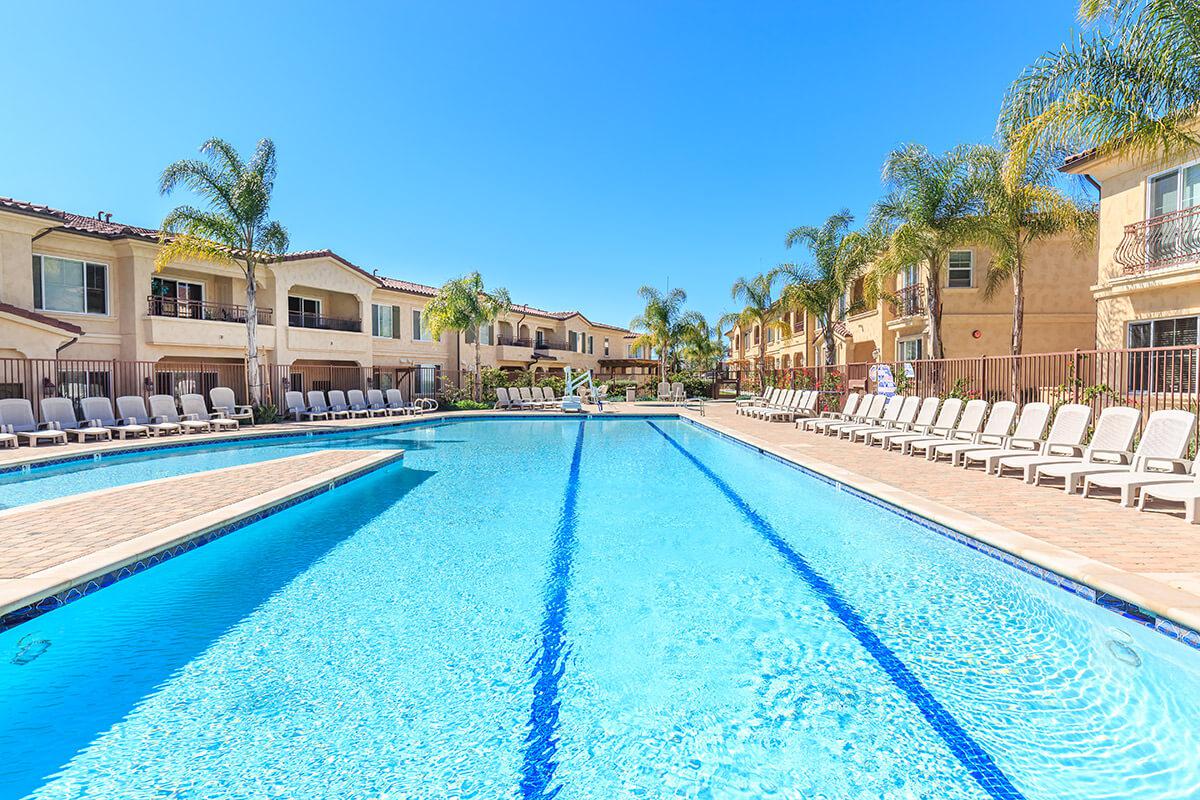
pixel 591 346
pixel 63 284
pixel 175 298
pixel 858 296
pixel 960 274
pixel 1175 190
pixel 303 312
pixel 908 349
pixel 909 276
pixel 382 322
pixel 487 335
pixel 572 341
pixel 606 347
pixel 420 329
pixel 1165 370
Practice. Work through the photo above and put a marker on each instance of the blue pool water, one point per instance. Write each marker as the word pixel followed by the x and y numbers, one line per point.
pixel 583 609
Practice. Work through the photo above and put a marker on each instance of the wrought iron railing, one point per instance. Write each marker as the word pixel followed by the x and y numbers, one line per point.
pixel 1159 242
pixel 512 341
pixel 202 309
pixel 909 301
pixel 550 344
pixel 304 319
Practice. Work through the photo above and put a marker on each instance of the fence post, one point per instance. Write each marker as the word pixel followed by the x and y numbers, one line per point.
pixel 1075 376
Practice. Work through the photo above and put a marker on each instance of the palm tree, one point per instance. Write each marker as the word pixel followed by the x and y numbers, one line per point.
pixel 924 214
pixel 703 346
pixel 759 309
pixel 818 287
pixel 1130 86
pixel 464 305
pixel 662 323
pixel 234 229
pixel 1020 205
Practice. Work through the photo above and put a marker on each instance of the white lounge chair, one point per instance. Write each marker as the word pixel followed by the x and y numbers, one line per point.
pixel 664 391
pixel 994 434
pixel 922 424
pixel 1112 441
pixel 542 399
pixel 7 437
pixel 1151 470
pixel 1163 445
pixel 504 399
pixel 891 413
pixel 941 427
pixel 755 400
pixel 1185 492
pixel 849 405
pixel 297 408
pixel 194 408
pixel 969 424
pixel 678 395
pixel 132 408
pixel 867 419
pixel 61 412
pixel 338 404
pixel 1027 438
pixel 906 413
pixel 376 403
pixel 225 404
pixel 770 400
pixel 784 401
pixel 17 415
pixel 318 405
pixel 800 404
pixel 99 411
pixel 396 402
pixel 162 407
pixel 358 403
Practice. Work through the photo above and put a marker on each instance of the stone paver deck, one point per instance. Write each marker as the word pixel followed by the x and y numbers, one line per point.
pixel 1148 558
pixel 59 543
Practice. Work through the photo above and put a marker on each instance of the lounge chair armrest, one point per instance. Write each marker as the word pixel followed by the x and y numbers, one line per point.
pixel 188 417
pixel 6 429
pixel 1122 456
pixel 129 421
pixel 49 426
pixel 220 413
pixel 159 420
pixel 244 409
pixel 91 423
pixel 1010 440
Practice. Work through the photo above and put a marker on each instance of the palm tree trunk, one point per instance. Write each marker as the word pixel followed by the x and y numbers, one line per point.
pixel 762 358
pixel 1018 326
pixel 253 379
pixel 933 313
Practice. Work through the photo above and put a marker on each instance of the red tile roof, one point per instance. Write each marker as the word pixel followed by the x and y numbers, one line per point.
pixel 17 311
pixel 102 226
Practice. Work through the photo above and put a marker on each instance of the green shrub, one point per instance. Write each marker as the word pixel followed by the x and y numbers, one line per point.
pixel 464 405
pixel 265 413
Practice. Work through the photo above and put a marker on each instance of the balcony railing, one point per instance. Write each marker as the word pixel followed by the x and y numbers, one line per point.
pixel 550 344
pixel 301 319
pixel 910 301
pixel 1159 242
pixel 512 341
pixel 199 309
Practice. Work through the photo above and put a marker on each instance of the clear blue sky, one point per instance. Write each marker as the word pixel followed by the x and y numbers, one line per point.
pixel 570 152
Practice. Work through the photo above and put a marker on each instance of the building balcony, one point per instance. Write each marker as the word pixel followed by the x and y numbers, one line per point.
pixel 299 319
pixel 550 344
pixel 203 310
pixel 1160 242
pixel 909 301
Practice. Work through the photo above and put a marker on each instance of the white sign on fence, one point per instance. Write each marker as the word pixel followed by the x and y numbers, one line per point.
pixel 881 376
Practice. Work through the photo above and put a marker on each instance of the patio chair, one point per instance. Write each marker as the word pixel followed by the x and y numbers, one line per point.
pixel 194 408
pixel 1152 469
pixel 503 401
pixel 756 399
pixel 526 393
pixel 17 415
pixel 132 409
pixel 891 412
pixel 769 400
pixel 1028 436
pixel 849 406
pixel 296 407
pixel 900 413
pixel 317 405
pixel 7 437
pixel 225 404
pixel 994 434
pixel 1112 441
pixel 162 406
pixel 99 411
pixel 785 400
pixel 358 402
pixel 1163 444
pixel 969 424
pixel 396 402
pixel 339 404
pixel 1184 492
pixel 678 394
pixel 941 427
pixel 61 412
pixel 377 405
pixel 664 391
pixel 927 411
pixel 552 401
pixel 869 418
pixel 790 411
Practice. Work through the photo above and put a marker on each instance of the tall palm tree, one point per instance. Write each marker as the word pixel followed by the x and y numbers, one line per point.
pixel 818 287
pixel 924 214
pixel 1131 85
pixel 662 323
pixel 1020 205
pixel 759 309
pixel 464 305
pixel 703 346
pixel 233 229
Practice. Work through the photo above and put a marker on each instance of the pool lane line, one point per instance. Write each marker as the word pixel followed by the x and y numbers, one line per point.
pixel 549 662
pixel 970 754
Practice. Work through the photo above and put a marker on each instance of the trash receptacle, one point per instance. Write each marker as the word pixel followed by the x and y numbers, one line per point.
pixel 630 394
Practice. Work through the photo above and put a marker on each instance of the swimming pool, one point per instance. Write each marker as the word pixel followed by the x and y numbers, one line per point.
pixel 590 609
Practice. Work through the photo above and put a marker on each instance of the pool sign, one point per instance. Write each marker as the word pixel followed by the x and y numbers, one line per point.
pixel 881 375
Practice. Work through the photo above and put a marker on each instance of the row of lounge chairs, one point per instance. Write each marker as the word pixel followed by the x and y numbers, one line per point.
pixel 993 437
pixel 671 392
pixel 781 405
pixel 526 397
pixel 346 405
pixel 97 422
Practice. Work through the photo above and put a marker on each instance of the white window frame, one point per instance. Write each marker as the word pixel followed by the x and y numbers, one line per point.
pixel 377 323
pixel 422 328
pixel 948 256
pixel 1180 168
pixel 85 262
pixel 900 343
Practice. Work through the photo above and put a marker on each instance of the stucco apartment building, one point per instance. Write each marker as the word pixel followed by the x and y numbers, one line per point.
pixel 81 288
pixel 1060 314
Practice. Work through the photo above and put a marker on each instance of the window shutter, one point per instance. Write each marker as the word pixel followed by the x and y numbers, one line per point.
pixel 397 322
pixel 416 318
pixel 374 320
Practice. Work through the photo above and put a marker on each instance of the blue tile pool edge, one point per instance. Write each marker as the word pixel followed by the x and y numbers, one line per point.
pixel 78 591
pixel 1150 619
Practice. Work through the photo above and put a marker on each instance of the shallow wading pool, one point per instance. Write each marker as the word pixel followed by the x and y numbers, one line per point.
pixel 582 609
